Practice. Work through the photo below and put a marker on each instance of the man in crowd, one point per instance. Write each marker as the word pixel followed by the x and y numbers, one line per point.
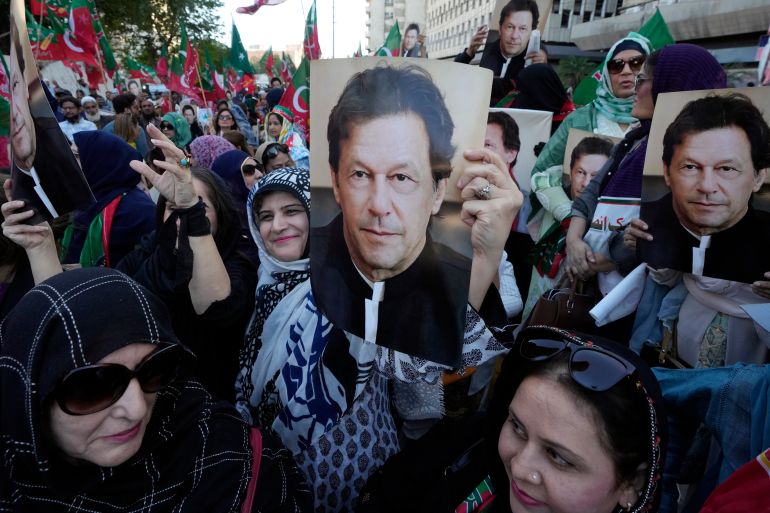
pixel 128 103
pixel 505 57
pixel 73 121
pixel 148 116
pixel 92 112
pixel 276 83
pixel 716 155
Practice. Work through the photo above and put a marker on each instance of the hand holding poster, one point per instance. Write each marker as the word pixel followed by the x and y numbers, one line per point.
pixel 45 173
pixel 388 138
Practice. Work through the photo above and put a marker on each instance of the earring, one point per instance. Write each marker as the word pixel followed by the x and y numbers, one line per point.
pixel 628 506
pixel 535 477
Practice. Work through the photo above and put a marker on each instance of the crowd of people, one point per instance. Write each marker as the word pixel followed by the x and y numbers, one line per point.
pixel 174 347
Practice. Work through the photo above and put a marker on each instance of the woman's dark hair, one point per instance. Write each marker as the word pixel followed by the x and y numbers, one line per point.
pixel 237 139
pixel 228 220
pixel 218 114
pixel 590 146
pixel 188 107
pixel 620 412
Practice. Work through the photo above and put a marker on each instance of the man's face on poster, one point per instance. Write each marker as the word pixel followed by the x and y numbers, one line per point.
pixel 514 33
pixel 22 126
pixel 410 39
pixel 386 191
pixel 493 140
pixel 712 177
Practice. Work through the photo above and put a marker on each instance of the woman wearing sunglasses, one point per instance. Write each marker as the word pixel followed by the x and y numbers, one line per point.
pixel 105 420
pixel 224 121
pixel 575 425
pixel 579 427
pixel 615 192
pixel 175 127
pixel 239 171
pixel 608 114
pixel 278 209
pixel 279 127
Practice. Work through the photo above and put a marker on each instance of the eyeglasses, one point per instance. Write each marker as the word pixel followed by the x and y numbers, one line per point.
pixel 273 151
pixel 93 388
pixel 247 168
pixel 166 126
pixel 639 80
pixel 616 66
pixel 226 117
pixel 590 366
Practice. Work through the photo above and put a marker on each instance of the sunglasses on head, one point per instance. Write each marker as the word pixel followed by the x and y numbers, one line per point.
pixel 590 366
pixel 274 150
pixel 93 388
pixel 616 66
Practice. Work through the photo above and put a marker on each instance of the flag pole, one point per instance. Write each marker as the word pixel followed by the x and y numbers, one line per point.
pixel 39 27
pixel 200 84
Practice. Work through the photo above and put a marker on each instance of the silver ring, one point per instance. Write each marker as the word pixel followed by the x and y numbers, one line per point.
pixel 486 191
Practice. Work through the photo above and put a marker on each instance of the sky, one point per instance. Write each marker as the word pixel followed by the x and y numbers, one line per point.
pixel 283 24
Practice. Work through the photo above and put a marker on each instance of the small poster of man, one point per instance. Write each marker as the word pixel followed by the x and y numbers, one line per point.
pixel 712 149
pixel 44 170
pixel 387 145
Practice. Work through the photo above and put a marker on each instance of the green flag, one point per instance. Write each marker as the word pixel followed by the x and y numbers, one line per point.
pixel 265 63
pixel 392 44
pixel 239 59
pixel 655 30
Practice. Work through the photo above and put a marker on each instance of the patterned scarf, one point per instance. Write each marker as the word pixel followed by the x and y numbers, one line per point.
pixel 276 280
pixel 614 108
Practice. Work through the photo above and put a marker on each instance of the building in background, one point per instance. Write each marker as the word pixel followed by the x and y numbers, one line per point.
pixel 381 15
pixel 729 29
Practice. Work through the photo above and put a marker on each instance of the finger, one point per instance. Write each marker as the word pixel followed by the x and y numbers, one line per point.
pixel 17 217
pixel 7 187
pixel 10 207
pixel 638 223
pixel 145 170
pixel 182 174
pixel 486 164
pixel 169 149
pixel 638 234
pixel 18 230
pixel 474 188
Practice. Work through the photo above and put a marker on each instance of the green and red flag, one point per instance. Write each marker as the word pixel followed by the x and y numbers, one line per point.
pixel 655 30
pixel 141 71
pixel 358 53
pixel 209 79
pixel 108 58
pixel 392 45
pixel 81 25
pixel 175 72
pixel 239 59
pixel 251 9
pixel 296 98
pixel 161 67
pixel 63 45
pixel 46 46
pixel 58 7
pixel 310 45
pixel 285 72
pixel 5 100
pixel 266 62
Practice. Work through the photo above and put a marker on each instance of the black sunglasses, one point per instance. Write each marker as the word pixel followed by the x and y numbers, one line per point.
pixel 93 388
pixel 166 126
pixel 273 152
pixel 248 169
pixel 589 365
pixel 616 66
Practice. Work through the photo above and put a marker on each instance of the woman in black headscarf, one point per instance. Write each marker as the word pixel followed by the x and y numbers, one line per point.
pixel 95 419
pixel 193 264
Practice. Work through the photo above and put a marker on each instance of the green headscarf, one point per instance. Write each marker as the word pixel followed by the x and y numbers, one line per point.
pixel 182 135
pixel 614 108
